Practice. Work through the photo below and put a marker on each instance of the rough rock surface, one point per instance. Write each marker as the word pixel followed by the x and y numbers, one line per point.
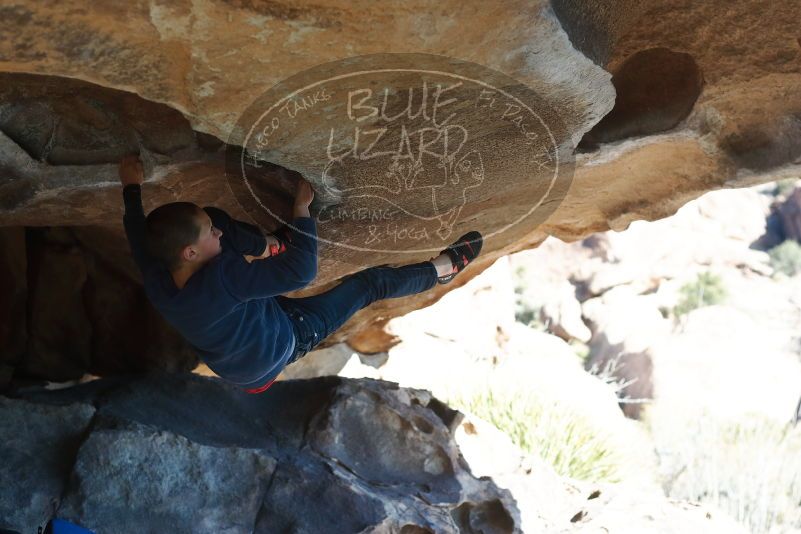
pixel 38 450
pixel 670 101
pixel 190 454
pixel 72 308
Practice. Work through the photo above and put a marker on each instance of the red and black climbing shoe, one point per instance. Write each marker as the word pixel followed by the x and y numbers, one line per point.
pixel 462 252
pixel 284 237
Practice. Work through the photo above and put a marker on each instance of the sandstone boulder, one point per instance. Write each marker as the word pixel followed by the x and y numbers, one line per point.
pixel 665 101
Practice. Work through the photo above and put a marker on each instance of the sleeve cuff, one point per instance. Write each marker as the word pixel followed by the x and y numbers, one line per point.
pixel 132 198
pixel 132 190
pixel 304 223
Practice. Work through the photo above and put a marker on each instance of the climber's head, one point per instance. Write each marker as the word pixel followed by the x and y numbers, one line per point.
pixel 180 233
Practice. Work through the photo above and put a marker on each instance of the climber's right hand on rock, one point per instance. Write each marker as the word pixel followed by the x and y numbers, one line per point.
pixel 131 171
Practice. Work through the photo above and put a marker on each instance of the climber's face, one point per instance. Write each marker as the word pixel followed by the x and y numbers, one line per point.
pixel 208 244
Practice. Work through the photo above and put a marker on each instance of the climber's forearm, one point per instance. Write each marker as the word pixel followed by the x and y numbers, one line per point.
pixel 301 211
pixel 134 223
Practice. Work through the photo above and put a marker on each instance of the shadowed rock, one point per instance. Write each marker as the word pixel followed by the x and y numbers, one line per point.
pixel 188 454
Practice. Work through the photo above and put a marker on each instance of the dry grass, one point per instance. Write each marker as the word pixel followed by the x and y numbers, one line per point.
pixel 749 468
pixel 558 435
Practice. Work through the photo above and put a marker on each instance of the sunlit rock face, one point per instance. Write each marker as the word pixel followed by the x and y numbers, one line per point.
pixel 663 102
pixel 707 97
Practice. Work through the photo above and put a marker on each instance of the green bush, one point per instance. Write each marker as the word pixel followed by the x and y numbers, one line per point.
pixel 528 315
pixel 785 187
pixel 581 349
pixel 706 290
pixel 526 310
pixel 749 468
pixel 786 258
pixel 557 435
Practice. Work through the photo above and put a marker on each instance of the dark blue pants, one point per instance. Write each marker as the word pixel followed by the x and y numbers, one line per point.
pixel 315 318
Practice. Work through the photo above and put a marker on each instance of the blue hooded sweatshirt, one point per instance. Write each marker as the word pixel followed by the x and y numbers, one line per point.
pixel 227 310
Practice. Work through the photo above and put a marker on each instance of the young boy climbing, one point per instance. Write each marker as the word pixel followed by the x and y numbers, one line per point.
pixel 219 281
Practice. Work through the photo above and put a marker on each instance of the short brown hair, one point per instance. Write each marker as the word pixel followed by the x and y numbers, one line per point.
pixel 170 228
